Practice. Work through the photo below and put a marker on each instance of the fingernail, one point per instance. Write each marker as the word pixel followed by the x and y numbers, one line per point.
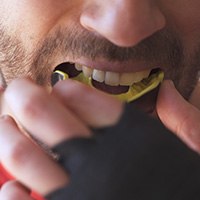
pixel 169 83
pixel 167 93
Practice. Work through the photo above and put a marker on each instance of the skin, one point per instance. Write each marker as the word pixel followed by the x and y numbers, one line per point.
pixel 28 47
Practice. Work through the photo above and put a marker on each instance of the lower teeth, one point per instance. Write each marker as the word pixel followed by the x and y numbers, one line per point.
pixel 135 91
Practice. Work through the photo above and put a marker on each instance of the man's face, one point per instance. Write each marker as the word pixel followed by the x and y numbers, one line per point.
pixel 108 39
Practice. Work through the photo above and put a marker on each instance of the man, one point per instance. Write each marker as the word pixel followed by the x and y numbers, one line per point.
pixel 106 40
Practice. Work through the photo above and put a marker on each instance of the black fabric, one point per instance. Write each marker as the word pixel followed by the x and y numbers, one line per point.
pixel 138 159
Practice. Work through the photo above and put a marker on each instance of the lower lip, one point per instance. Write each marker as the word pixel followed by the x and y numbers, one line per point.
pixel 110 89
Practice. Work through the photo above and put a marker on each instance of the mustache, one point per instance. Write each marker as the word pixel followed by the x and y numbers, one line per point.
pixel 162 49
pixel 78 42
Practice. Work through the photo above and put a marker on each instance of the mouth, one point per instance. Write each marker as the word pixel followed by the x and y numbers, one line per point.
pixel 124 86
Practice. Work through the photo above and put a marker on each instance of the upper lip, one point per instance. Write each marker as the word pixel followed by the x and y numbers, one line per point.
pixel 120 67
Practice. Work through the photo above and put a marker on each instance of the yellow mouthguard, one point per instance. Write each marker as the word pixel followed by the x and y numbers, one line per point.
pixel 135 91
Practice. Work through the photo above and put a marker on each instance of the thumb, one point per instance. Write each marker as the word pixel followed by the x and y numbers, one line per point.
pixel 178 115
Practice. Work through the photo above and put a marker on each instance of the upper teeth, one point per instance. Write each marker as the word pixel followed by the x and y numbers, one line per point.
pixel 113 78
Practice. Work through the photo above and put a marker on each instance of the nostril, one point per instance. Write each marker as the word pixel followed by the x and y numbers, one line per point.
pixel 85 22
pixel 124 23
pixel 89 20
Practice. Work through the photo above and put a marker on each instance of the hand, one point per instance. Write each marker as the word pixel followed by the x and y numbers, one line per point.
pixel 181 117
pixel 66 113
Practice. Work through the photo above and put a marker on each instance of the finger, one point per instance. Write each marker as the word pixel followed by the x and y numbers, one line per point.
pixel 13 190
pixel 41 114
pixel 195 97
pixel 27 162
pixel 92 106
pixel 178 115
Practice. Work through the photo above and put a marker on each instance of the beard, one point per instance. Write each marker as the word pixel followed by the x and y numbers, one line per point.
pixel 163 49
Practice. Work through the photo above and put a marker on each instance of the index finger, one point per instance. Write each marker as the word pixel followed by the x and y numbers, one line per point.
pixel 42 115
pixel 94 107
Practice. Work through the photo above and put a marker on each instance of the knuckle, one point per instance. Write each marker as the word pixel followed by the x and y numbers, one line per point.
pixel 32 106
pixel 29 101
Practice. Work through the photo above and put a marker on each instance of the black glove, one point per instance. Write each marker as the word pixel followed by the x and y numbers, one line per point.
pixel 138 159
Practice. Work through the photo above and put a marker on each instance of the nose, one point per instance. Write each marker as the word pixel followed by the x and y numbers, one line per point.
pixel 123 22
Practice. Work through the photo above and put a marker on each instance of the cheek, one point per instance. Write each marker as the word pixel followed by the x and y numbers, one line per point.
pixel 183 17
pixel 30 20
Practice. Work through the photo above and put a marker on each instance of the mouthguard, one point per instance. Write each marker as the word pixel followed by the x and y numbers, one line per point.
pixel 135 91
